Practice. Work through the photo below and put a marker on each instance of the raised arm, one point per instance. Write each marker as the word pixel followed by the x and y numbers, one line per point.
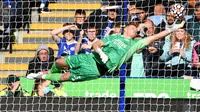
pixel 78 45
pixel 55 32
pixel 163 33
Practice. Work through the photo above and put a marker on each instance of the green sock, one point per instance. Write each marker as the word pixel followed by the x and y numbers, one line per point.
pixel 55 69
pixel 53 77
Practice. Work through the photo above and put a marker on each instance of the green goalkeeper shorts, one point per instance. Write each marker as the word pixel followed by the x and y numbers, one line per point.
pixel 82 67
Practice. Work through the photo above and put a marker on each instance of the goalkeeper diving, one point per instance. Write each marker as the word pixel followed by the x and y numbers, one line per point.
pixel 109 54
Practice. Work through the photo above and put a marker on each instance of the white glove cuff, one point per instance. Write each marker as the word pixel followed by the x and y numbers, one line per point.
pixel 99 51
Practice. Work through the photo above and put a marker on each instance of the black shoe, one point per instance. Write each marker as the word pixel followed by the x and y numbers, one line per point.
pixel 45 10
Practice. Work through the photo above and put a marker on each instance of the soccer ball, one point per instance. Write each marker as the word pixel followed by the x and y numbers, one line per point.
pixel 178 11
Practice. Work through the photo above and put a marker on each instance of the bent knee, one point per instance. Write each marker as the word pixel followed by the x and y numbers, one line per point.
pixel 61 62
pixel 65 76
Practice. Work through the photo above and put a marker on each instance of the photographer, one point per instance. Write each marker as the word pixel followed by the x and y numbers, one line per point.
pixel 149 55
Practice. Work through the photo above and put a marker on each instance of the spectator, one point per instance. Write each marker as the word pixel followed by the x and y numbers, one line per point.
pixel 80 18
pixel 66 45
pixel 79 21
pixel 131 8
pixel 141 11
pixel 84 45
pixel 15 87
pixel 193 24
pixel 117 29
pixel 20 86
pixel 112 20
pixel 42 61
pixel 168 22
pixel 13 83
pixel 5 37
pixel 105 18
pixel 177 53
pixel 147 59
pixel 44 7
pixel 155 7
pixel 196 59
pixel 152 52
pixel 159 9
pixel 95 15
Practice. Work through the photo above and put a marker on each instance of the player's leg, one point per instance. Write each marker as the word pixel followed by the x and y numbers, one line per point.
pixel 57 76
pixel 55 72
pixel 82 67
pixel 59 65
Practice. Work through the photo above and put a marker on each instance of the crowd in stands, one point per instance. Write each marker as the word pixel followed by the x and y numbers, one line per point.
pixel 171 56
pixel 16 14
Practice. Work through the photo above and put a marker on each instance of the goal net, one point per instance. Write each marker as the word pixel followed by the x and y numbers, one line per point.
pixel 163 76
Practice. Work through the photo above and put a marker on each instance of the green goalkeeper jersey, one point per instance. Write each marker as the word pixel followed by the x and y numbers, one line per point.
pixel 116 47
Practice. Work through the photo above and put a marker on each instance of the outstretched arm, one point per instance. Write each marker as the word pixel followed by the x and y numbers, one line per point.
pixel 143 42
pixel 163 33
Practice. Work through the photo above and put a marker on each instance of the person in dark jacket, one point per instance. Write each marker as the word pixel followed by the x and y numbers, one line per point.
pixel 105 17
pixel 4 25
pixel 14 88
pixel 141 11
pixel 193 24
pixel 42 61
pixel 149 55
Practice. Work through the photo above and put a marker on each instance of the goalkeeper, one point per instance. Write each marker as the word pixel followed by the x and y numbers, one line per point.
pixel 110 53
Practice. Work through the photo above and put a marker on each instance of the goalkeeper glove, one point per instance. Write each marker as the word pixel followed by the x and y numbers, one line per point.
pixel 103 56
pixel 176 27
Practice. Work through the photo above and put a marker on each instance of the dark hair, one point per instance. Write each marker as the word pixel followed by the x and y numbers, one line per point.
pixel 80 11
pixel 131 2
pixel 11 79
pixel 91 26
pixel 197 4
pixel 66 31
pixel 66 24
pixel 142 5
pixel 117 25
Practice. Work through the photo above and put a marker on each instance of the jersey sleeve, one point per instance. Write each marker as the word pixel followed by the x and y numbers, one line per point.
pixel 135 46
pixel 139 45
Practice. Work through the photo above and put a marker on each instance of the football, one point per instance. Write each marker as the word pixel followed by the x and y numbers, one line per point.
pixel 178 11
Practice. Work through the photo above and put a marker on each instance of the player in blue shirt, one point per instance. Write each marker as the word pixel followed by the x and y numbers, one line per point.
pixel 66 45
